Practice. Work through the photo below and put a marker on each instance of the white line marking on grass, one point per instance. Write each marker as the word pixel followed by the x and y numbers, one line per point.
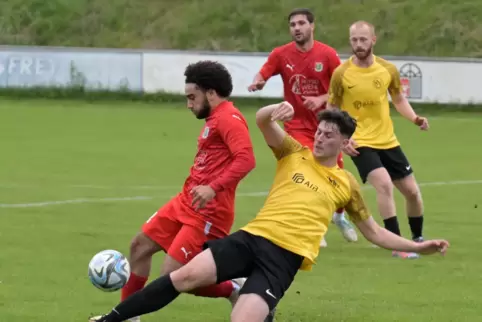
pixel 423 184
pixel 90 186
pixel 240 194
pixel 246 194
pixel 72 201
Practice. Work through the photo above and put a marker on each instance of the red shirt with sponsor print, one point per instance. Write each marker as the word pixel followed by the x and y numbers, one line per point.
pixel 303 74
pixel 224 157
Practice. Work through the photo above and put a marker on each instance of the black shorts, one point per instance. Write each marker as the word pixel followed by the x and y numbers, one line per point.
pixel 269 268
pixel 393 160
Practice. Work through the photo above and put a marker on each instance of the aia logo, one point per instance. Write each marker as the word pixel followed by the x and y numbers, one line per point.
pixel 299 178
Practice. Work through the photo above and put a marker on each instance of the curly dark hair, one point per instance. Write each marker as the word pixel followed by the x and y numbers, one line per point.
pixel 342 119
pixel 210 75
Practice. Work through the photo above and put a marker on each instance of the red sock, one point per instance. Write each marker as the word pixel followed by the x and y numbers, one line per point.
pixel 225 289
pixel 340 211
pixel 134 284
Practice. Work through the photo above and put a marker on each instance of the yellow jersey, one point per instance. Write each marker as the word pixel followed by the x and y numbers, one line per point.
pixel 363 93
pixel 302 200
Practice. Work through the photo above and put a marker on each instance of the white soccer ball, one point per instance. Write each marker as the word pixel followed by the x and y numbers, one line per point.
pixel 109 270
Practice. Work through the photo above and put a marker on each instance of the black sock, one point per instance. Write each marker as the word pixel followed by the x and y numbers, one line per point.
pixel 153 297
pixel 391 224
pixel 416 226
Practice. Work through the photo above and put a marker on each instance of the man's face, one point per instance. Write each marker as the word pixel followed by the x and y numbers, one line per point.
pixel 328 140
pixel 362 41
pixel 197 101
pixel 301 29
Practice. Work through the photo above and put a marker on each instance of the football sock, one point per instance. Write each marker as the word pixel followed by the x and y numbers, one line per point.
pixel 416 226
pixel 391 224
pixel 224 289
pixel 134 284
pixel 151 298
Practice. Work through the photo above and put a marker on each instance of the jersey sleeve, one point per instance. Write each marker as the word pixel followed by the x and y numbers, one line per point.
pixel 335 92
pixel 333 61
pixel 356 207
pixel 289 146
pixel 395 86
pixel 271 66
pixel 235 134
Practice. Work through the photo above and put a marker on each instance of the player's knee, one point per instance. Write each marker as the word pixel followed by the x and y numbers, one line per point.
pixel 384 188
pixel 249 308
pixel 409 188
pixel 199 272
pixel 412 192
pixel 142 247
pixel 186 279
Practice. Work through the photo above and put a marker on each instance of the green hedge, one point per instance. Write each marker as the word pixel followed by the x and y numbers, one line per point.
pixel 405 27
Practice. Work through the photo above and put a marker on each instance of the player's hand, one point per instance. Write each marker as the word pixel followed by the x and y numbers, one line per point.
pixel 256 86
pixel 422 122
pixel 314 102
pixel 284 112
pixel 350 148
pixel 201 195
pixel 429 247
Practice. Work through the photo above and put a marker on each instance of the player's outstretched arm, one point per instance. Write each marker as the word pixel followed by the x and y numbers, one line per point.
pixel 388 240
pixel 358 212
pixel 267 120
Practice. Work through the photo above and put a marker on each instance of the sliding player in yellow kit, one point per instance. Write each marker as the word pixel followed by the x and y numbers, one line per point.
pixel 360 86
pixel 284 237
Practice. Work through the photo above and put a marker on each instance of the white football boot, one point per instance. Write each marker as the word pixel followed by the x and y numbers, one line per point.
pixel 237 286
pixel 346 228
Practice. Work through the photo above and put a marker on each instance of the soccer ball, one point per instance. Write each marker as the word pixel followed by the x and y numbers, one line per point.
pixel 109 270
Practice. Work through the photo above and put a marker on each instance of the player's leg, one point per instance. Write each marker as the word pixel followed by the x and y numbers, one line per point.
pixel 272 275
pixel 372 169
pixel 402 176
pixel 186 245
pixel 224 259
pixel 344 225
pixel 157 234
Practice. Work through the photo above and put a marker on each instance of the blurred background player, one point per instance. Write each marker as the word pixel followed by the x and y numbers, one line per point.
pixel 305 66
pixel 359 86
pixel 284 236
pixel 204 210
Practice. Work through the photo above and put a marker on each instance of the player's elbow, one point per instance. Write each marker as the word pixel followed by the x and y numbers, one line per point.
pixel 398 100
pixel 261 119
pixel 250 161
pixel 247 159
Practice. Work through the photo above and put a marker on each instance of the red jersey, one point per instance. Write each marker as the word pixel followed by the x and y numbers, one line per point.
pixel 303 74
pixel 224 157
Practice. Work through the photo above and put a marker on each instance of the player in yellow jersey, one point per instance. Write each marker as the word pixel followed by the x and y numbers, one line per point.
pixel 361 86
pixel 284 236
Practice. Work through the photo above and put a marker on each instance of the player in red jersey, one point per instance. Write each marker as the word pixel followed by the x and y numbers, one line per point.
pixel 204 210
pixel 305 66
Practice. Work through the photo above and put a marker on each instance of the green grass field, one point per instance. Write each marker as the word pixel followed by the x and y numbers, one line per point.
pixel 405 27
pixel 70 151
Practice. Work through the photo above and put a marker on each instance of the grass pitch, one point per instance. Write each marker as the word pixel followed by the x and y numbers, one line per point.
pixel 77 178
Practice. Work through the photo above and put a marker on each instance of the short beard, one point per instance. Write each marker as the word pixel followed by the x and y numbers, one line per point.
pixel 205 111
pixel 363 55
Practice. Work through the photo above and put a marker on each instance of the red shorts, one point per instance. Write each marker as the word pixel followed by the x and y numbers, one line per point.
pixel 308 141
pixel 180 238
